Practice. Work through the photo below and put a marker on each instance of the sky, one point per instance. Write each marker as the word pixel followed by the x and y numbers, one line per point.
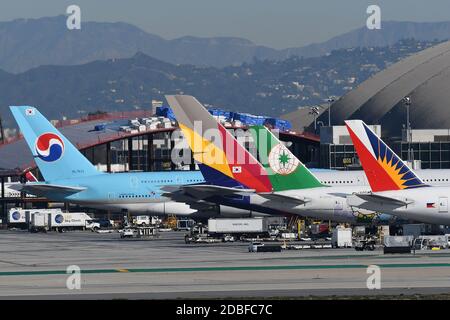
pixel 274 23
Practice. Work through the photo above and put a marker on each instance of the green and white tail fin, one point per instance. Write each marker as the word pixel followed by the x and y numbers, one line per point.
pixel 285 171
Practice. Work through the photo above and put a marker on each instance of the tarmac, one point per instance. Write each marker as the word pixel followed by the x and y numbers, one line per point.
pixel 34 266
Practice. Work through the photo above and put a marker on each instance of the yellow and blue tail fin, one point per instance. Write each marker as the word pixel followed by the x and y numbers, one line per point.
pixel 222 160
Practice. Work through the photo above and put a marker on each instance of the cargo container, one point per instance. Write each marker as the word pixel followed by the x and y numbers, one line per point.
pixel 38 222
pixel 397 244
pixel 342 237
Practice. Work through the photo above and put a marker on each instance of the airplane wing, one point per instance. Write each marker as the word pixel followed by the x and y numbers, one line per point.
pixel 284 198
pixel 203 191
pixel 189 193
pixel 384 200
pixel 44 188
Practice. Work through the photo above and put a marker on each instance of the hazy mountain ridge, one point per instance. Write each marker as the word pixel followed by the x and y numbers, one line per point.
pixel 28 43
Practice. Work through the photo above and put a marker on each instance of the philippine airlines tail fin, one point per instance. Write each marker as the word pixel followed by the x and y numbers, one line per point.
pixel 55 156
pixel 384 169
pixel 222 160
pixel 285 171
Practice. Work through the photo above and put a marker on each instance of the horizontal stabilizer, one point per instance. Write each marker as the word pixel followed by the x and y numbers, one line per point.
pixel 43 188
pixel 384 200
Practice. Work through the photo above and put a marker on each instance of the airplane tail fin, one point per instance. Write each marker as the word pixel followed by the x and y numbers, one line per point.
pixel 285 171
pixel 30 177
pixel 384 169
pixel 55 156
pixel 222 160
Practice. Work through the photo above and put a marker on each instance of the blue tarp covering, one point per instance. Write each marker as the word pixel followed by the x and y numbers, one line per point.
pixel 245 118
pixel 249 119
pixel 220 112
pixel 165 112
pixel 100 127
pixel 280 124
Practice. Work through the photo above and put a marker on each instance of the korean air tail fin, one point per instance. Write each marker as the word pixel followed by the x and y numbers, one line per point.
pixel 222 160
pixel 285 171
pixel 56 157
pixel 384 169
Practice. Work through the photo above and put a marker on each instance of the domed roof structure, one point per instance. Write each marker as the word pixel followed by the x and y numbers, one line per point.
pixel 424 76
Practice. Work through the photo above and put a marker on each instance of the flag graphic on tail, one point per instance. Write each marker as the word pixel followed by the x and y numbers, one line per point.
pixel 222 160
pixel 384 169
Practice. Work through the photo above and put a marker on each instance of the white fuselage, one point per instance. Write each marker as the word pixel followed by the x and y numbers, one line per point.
pixel 435 177
pixel 330 203
pixel 323 203
pixel 426 204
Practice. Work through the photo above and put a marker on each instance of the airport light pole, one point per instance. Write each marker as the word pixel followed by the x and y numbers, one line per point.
pixel 407 102
pixel 330 102
pixel 315 112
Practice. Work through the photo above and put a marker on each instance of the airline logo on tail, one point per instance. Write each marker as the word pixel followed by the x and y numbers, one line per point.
pixel 281 160
pixel 383 168
pixel 49 147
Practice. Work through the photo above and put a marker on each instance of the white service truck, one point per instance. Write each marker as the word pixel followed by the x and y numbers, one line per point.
pixel 142 220
pixel 238 228
pixel 63 221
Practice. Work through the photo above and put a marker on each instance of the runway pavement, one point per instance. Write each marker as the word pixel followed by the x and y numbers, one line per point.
pixel 33 266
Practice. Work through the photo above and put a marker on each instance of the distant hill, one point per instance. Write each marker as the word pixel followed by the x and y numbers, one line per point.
pixel 391 32
pixel 261 87
pixel 28 43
